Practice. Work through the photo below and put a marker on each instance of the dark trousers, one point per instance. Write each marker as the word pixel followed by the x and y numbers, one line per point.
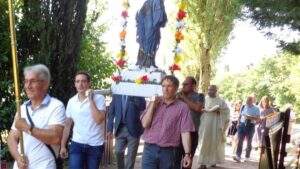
pixel 156 157
pixel 194 144
pixel 85 156
pixel 123 140
pixel 245 131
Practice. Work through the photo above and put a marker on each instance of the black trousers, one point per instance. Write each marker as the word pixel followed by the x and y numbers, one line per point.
pixel 194 144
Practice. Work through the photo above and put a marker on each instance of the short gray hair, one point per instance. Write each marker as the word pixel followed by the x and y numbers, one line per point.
pixel 40 69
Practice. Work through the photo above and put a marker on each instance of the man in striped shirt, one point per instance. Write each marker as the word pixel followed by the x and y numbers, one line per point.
pixel 167 121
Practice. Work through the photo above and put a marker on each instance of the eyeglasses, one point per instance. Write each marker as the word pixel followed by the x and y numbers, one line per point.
pixel 184 84
pixel 32 81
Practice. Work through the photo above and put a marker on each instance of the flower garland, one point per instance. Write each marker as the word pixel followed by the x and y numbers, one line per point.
pixel 142 80
pixel 180 24
pixel 121 62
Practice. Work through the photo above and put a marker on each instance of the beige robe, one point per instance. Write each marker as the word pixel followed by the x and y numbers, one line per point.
pixel 212 129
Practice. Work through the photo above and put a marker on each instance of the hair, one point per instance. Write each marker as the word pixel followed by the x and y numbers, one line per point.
pixel 214 86
pixel 86 74
pixel 193 80
pixel 265 99
pixel 239 102
pixel 40 69
pixel 172 78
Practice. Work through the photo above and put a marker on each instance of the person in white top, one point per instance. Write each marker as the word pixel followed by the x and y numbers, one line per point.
pixel 86 112
pixel 47 114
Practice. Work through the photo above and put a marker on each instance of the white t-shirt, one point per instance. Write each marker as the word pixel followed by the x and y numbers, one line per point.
pixel 50 112
pixel 86 130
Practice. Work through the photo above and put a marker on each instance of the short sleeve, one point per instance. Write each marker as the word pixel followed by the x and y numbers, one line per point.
pixel 58 115
pixel 68 110
pixel 13 127
pixel 100 102
pixel 201 98
pixel 186 122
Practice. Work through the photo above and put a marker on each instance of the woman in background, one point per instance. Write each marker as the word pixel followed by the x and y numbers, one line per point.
pixel 234 117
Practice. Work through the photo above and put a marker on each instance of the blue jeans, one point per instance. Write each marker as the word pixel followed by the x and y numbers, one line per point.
pixel 83 156
pixel 243 132
pixel 156 157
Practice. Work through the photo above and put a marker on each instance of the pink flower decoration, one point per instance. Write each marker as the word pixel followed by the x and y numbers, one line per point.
pixel 124 14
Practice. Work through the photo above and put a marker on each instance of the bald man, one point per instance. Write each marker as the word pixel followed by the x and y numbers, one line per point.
pixel 214 122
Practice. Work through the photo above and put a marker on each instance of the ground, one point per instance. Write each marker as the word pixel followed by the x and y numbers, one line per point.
pixel 229 163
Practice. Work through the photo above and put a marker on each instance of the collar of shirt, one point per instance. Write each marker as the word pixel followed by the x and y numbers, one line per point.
pixel 169 104
pixel 77 99
pixel 45 102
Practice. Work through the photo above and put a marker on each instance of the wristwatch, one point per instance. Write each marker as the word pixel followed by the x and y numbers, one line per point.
pixel 188 154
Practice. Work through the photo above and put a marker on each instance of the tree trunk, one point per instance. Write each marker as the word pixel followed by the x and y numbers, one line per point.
pixel 205 72
pixel 51 34
pixel 69 24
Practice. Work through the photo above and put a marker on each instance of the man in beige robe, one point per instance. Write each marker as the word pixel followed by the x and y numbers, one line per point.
pixel 214 122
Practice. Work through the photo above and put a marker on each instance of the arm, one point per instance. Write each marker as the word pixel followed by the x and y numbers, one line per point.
pixel 147 117
pixel 52 135
pixel 49 136
pixel 194 106
pixel 98 115
pixel 186 142
pixel 256 118
pixel 12 142
pixel 111 115
pixel 65 137
pixel 226 114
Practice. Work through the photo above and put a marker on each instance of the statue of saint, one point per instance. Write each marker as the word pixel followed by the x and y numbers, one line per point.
pixel 150 18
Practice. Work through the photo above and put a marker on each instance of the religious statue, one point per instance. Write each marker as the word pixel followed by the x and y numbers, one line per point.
pixel 150 18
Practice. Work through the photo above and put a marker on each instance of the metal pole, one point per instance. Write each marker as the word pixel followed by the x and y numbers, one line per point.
pixel 15 66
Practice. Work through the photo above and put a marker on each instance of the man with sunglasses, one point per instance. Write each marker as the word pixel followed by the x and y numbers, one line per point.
pixel 195 102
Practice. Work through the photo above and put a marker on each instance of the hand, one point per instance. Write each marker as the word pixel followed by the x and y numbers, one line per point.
pixel 180 95
pixel 22 162
pixel 90 94
pixel 22 125
pixel 217 112
pixel 156 100
pixel 63 152
pixel 187 161
pixel 110 135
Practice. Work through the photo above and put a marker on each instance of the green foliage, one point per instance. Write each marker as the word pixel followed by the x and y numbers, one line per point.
pixel 269 13
pixel 4 153
pixel 7 106
pixel 276 77
pixel 52 38
pixel 210 23
pixel 93 56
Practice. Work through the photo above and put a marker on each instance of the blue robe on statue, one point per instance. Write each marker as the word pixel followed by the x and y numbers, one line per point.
pixel 150 18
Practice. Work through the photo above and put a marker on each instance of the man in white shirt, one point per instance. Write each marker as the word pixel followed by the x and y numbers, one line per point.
pixel 86 111
pixel 47 114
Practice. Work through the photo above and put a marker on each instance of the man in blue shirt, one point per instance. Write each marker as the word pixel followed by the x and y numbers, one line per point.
pixel 246 127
